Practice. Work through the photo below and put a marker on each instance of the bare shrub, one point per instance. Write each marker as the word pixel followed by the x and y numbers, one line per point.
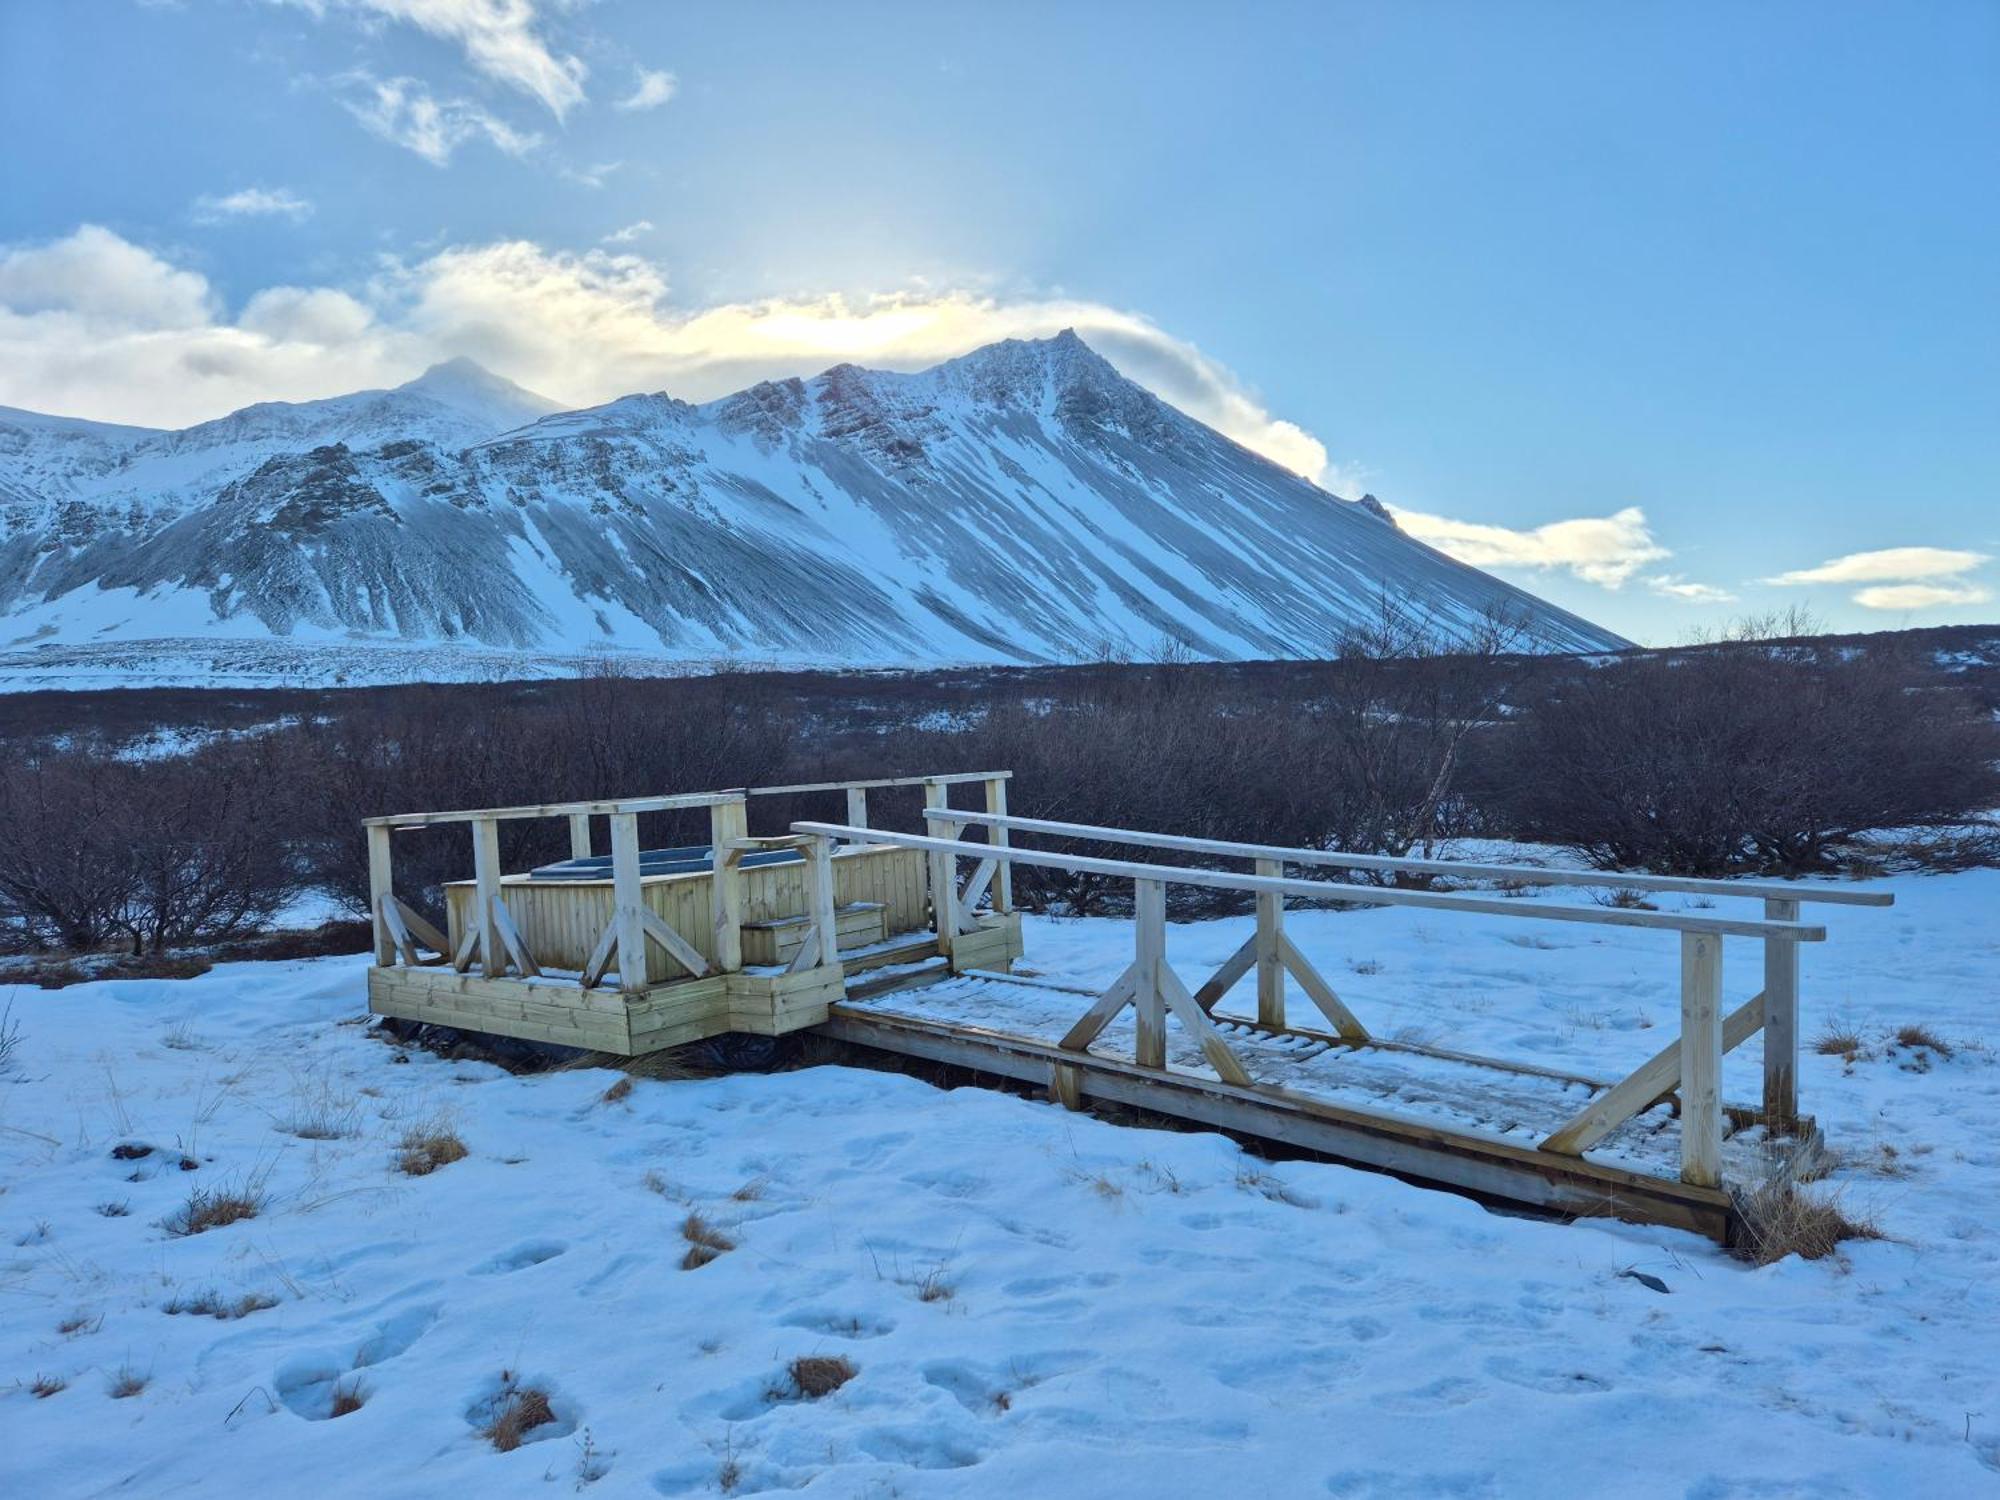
pixel 519 1411
pixel 10 1037
pixel 1779 1220
pixel 705 1242
pixel 1744 756
pixel 426 1148
pixel 214 1208
pixel 817 1375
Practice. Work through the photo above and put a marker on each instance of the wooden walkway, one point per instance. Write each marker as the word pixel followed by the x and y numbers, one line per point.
pixel 1658 1145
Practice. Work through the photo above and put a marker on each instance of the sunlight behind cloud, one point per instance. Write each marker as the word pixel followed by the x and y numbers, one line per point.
pixel 93 325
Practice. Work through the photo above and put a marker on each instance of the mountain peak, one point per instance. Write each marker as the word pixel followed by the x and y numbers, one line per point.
pixel 464 376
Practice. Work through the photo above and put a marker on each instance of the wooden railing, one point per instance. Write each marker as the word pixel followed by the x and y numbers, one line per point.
pixel 494 941
pixel 1691 1066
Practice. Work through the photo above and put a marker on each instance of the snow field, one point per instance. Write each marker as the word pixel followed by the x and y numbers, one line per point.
pixel 1029 1298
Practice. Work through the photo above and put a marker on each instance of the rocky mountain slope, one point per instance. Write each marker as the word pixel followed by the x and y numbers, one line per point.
pixel 1022 503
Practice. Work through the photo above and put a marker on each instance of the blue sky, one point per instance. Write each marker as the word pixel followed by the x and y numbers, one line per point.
pixel 1643 306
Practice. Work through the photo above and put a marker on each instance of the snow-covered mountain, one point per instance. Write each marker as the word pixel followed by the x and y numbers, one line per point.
pixel 1022 503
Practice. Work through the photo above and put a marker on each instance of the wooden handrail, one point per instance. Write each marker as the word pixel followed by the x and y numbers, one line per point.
pixel 1525 874
pixel 1359 895
pixel 613 807
pixel 954 778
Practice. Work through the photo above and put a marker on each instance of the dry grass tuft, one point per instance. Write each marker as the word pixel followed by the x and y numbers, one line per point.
pixel 932 1287
pixel 351 1398
pixel 521 1410
pixel 117 1209
pixel 1778 1220
pixel 750 1192
pixel 427 1148
pixel 130 1151
pixel 817 1375
pixel 1922 1037
pixel 210 1304
pixel 1838 1041
pixel 46 1386
pixel 619 1090
pixel 705 1242
pixel 212 1208
pixel 127 1382
pixel 80 1322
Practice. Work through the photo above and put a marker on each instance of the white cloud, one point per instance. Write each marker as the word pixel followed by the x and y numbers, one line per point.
pixel 403 111
pixel 1921 595
pixel 653 89
pixel 95 326
pixel 252 203
pixel 628 234
pixel 1889 565
pixel 96 279
pixel 593 176
pixel 1674 586
pixel 500 38
pixel 1605 550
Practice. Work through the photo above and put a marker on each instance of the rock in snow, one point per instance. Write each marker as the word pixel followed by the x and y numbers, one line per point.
pixel 1023 503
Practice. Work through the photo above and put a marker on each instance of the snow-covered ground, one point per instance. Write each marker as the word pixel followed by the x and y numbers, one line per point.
pixel 1033 1301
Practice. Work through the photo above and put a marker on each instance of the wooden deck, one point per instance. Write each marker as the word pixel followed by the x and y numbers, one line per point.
pixel 876 939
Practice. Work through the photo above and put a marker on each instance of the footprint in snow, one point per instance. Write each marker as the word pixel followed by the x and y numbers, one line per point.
pixel 307 1383
pixel 520 1257
pixel 840 1325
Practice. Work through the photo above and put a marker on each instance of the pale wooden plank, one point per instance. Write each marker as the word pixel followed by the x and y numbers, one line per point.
pixel 996 833
pixel 673 942
pixel 486 883
pixel 826 925
pixel 1338 1016
pixel 381 883
pixel 1228 1067
pixel 1107 1005
pixel 1647 1084
pixel 630 900
pixel 510 935
pixel 1270 957
pixel 1520 874
pixel 600 956
pixel 1701 1059
pixel 1781 1021
pixel 1224 979
pixel 1360 895
pixel 1149 907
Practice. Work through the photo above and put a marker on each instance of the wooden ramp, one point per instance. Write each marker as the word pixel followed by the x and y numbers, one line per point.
pixel 1450 1119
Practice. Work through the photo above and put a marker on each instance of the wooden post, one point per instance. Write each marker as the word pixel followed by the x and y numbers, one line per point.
pixel 857 807
pixel 1701 1059
pixel 1149 905
pixel 1003 880
pixel 628 897
pixel 486 888
pixel 943 867
pixel 379 887
pixel 579 835
pixel 727 821
pixel 1781 1022
pixel 825 925
pixel 1270 958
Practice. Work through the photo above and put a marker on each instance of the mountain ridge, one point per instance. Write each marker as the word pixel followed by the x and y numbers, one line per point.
pixel 1021 502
